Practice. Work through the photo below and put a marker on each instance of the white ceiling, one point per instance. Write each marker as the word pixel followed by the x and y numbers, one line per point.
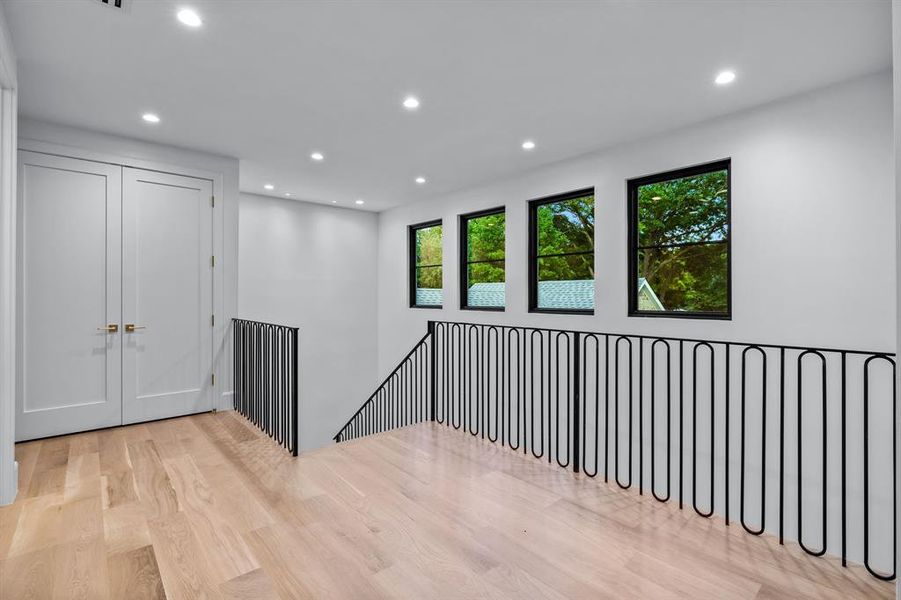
pixel 271 81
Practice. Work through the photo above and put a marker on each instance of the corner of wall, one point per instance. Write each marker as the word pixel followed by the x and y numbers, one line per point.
pixel 896 98
pixel 9 469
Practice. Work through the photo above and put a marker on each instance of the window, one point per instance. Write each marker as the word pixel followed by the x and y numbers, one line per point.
pixel 679 238
pixel 425 265
pixel 482 263
pixel 561 253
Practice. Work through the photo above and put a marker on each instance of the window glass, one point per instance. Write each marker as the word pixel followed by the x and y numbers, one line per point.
pixel 426 265
pixel 563 251
pixel 484 268
pixel 681 225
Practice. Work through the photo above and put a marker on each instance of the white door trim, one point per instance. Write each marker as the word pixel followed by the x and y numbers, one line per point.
pixel 8 243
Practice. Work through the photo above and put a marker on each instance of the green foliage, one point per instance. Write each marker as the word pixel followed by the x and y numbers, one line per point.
pixel 689 218
pixel 485 237
pixel 428 257
pixel 428 246
pixel 565 227
pixel 428 277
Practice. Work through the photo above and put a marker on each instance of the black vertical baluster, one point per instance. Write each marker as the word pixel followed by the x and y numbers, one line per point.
pixel 800 450
pixel 482 380
pixel 540 355
pixel 844 470
pixel 781 445
pixel 866 468
pixel 500 390
pixel 654 418
pixel 726 477
pixel 640 415
pixel 546 398
pixel 763 358
pixel 236 362
pixel 616 412
pixel 566 372
pixel 694 442
pixel 681 422
pixel 606 408
pixel 576 400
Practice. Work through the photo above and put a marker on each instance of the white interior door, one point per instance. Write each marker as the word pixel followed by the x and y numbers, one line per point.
pixel 167 295
pixel 69 372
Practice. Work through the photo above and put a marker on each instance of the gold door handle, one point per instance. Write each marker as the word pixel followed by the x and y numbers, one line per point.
pixel 131 327
pixel 111 328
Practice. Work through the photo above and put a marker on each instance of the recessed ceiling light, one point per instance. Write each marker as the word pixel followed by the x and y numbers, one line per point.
pixel 150 118
pixel 359 202
pixel 528 145
pixel 317 156
pixel 287 194
pixel 269 186
pixel 189 17
pixel 420 180
pixel 411 102
pixel 725 77
pixel 334 202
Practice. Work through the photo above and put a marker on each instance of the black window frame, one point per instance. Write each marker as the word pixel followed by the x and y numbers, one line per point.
pixel 465 262
pixel 533 251
pixel 632 211
pixel 411 252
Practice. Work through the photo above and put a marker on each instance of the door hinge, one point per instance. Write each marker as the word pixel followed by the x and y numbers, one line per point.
pixel 212 320
pixel 212 379
pixel 213 201
pixel 213 261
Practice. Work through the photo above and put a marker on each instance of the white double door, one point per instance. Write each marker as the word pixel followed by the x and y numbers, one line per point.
pixel 115 295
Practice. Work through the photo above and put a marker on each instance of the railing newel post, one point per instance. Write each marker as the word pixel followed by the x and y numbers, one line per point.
pixel 433 372
pixel 294 396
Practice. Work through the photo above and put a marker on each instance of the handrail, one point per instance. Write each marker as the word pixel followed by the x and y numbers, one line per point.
pixel 240 320
pixel 382 385
pixel 669 337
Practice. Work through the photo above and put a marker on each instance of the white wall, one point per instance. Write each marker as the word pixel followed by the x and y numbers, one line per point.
pixel 812 211
pixel 314 267
pixel 70 141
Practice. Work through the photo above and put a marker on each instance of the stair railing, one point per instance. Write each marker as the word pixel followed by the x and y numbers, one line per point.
pixel 265 378
pixel 689 420
pixel 403 398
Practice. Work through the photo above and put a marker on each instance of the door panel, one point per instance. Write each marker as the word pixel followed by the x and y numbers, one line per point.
pixel 167 294
pixel 69 375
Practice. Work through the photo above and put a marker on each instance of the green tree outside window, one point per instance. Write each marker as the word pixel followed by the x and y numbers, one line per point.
pixel 682 248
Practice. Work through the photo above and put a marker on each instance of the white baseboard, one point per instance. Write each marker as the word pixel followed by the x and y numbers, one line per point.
pixel 8 489
pixel 226 400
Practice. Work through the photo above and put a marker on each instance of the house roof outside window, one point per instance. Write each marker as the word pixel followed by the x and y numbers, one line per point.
pixel 570 294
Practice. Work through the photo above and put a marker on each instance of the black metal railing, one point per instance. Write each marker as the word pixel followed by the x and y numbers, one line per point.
pixel 687 419
pixel 265 378
pixel 402 399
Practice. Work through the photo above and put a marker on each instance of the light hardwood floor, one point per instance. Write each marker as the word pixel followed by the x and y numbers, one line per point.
pixel 207 507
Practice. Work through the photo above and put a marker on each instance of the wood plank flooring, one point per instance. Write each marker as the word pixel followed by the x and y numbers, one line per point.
pixel 207 507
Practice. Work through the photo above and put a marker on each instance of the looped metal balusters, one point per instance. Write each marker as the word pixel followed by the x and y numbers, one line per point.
pixel 564 397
